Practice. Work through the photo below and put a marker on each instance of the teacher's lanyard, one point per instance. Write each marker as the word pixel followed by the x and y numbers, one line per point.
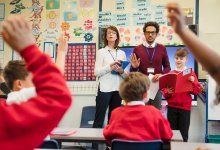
pixel 112 55
pixel 148 52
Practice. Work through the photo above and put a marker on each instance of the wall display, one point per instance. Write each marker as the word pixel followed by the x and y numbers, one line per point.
pixel 80 61
pixel 130 16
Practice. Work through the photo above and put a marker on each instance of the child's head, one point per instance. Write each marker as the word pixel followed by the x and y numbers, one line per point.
pixel 16 75
pixel 181 57
pixel 134 87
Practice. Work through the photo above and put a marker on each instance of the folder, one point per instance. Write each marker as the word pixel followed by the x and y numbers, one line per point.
pixel 178 81
pixel 124 65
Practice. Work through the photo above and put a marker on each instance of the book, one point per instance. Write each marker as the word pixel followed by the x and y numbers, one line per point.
pixel 124 65
pixel 62 131
pixel 178 81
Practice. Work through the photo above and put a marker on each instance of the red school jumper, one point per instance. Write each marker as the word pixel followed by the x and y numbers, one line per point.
pixel 24 126
pixel 138 123
pixel 182 100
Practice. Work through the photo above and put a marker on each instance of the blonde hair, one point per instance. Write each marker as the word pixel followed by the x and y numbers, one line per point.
pixel 134 86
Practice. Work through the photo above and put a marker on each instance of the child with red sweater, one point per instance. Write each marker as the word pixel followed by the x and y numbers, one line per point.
pixel 25 126
pixel 179 104
pixel 135 121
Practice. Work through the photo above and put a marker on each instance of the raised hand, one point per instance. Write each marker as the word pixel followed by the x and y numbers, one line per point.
pixel 176 17
pixel 62 44
pixel 17 32
pixel 135 63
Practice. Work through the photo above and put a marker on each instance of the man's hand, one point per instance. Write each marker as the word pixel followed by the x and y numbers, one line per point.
pixel 17 33
pixel 156 77
pixel 135 63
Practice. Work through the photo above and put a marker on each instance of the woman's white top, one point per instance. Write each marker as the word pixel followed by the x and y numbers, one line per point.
pixel 108 82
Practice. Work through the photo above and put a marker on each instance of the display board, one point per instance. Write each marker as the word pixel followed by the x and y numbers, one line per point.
pixel 130 16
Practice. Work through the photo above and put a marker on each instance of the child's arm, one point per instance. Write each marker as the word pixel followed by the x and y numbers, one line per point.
pixel 33 120
pixel 61 53
pixel 167 92
pixel 204 54
pixel 195 83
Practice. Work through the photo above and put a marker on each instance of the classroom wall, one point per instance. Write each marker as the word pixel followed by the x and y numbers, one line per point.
pixel 209 32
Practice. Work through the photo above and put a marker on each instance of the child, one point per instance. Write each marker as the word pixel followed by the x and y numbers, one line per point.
pixel 135 121
pixel 179 104
pixel 26 125
pixel 19 80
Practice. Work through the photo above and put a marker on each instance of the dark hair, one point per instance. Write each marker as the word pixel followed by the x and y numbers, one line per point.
pixel 134 86
pixel 14 70
pixel 151 23
pixel 181 52
pixel 105 35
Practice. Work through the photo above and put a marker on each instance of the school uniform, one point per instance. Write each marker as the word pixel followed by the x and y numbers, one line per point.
pixel 25 126
pixel 135 121
pixel 179 106
pixel 108 95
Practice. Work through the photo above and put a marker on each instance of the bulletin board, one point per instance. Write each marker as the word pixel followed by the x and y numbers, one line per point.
pixel 130 15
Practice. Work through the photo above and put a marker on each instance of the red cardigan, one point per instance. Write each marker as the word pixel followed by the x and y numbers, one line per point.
pixel 182 100
pixel 160 61
pixel 25 126
pixel 139 123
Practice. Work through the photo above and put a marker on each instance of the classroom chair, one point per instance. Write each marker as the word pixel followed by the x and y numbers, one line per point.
pixel 88 116
pixel 118 144
pixel 50 144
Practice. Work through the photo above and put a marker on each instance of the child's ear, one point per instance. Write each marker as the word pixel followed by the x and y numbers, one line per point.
pixel 17 85
pixel 145 95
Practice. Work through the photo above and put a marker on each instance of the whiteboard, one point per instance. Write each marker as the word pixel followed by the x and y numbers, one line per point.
pixel 213 110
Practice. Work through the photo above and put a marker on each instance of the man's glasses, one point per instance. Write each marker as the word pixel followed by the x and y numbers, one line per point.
pixel 150 33
pixel 113 33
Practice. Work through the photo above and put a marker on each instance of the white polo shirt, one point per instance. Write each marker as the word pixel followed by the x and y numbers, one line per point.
pixel 108 82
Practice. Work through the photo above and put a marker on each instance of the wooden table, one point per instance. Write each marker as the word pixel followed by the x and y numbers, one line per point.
pixel 192 146
pixel 96 135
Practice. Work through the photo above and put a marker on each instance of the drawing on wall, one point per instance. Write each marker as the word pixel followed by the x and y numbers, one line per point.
pixel 52 25
pixel 18 6
pixel 77 31
pixel 188 12
pixel 70 13
pixel 88 37
pixel 86 12
pixel 80 61
pixel 52 4
pixel 86 3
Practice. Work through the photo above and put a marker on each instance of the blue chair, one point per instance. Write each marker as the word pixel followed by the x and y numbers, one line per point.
pixel 50 144
pixel 88 116
pixel 118 144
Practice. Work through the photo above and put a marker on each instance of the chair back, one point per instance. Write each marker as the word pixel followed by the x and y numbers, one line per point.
pixel 50 144
pixel 118 144
pixel 88 116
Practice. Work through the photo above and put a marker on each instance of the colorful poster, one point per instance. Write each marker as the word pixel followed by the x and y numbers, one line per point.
pixel 52 4
pixel 86 3
pixel 80 62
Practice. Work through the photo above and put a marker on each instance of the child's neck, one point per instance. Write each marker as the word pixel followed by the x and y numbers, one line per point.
pixel 180 68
